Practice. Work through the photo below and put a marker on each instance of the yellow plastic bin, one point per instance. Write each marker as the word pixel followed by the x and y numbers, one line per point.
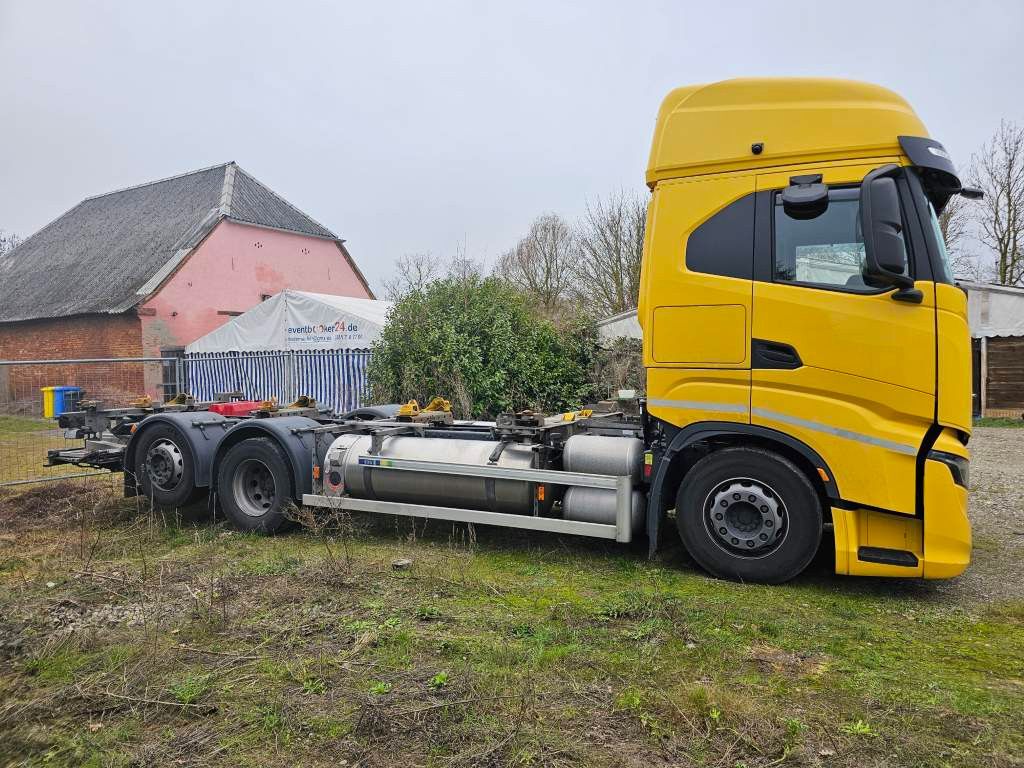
pixel 48 409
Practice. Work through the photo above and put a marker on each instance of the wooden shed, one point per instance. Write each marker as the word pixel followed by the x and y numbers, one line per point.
pixel 996 314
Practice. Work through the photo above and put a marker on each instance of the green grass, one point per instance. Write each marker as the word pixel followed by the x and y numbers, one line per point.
pixel 190 688
pixel 999 422
pixel 521 650
pixel 25 424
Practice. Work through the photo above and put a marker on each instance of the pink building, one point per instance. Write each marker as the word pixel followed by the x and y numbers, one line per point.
pixel 146 270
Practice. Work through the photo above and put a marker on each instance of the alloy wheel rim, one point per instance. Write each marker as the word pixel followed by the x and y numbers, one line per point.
pixel 165 464
pixel 746 517
pixel 253 488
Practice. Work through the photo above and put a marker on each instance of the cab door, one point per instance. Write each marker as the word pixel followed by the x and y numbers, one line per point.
pixel 842 366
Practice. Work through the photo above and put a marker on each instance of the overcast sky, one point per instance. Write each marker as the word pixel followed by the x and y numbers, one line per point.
pixel 419 126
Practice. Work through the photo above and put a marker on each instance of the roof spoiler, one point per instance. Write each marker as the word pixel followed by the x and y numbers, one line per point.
pixel 931 155
pixel 939 177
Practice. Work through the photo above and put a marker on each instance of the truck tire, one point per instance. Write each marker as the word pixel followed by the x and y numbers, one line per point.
pixel 165 468
pixel 254 485
pixel 748 514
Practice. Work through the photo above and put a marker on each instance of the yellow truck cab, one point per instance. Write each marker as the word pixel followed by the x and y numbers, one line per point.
pixel 807 351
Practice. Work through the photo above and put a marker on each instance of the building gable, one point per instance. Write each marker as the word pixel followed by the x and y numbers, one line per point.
pixel 110 252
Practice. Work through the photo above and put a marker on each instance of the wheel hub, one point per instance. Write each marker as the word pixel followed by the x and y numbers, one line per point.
pixel 164 464
pixel 745 517
pixel 253 488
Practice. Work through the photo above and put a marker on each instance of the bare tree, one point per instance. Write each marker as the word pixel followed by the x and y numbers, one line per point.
pixel 462 267
pixel 999 172
pixel 9 241
pixel 610 239
pixel 540 266
pixel 412 273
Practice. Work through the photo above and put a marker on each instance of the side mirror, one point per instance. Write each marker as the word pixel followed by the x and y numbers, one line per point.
pixel 805 197
pixel 885 253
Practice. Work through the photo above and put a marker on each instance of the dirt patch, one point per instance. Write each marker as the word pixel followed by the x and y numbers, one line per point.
pixel 771 659
pixel 58 504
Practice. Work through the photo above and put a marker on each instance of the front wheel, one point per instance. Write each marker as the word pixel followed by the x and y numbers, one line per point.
pixel 254 485
pixel 750 515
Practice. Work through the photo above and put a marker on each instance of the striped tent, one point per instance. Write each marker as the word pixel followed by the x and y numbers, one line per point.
pixel 295 343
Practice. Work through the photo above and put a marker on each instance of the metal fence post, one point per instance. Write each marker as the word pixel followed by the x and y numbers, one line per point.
pixel 290 386
pixel 179 382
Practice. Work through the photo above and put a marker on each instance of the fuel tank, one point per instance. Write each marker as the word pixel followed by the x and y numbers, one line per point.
pixel 344 474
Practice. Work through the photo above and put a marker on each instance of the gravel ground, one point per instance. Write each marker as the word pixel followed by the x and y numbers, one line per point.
pixel 997 517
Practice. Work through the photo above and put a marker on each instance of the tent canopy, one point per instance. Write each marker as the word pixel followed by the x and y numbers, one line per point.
pixel 297 320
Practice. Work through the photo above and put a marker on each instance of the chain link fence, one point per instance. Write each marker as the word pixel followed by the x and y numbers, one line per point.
pixel 33 393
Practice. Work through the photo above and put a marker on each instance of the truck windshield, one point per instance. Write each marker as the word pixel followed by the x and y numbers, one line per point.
pixel 943 266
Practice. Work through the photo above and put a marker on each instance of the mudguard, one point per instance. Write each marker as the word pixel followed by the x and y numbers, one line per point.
pixel 291 433
pixel 202 431
pixel 706 430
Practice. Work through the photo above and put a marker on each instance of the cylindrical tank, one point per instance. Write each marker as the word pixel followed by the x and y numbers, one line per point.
pixel 344 474
pixel 604 455
pixel 597 505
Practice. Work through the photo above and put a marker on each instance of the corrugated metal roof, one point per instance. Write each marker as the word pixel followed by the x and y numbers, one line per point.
pixel 110 251
pixel 254 203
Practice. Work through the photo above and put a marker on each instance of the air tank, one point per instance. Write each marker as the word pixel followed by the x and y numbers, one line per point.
pixel 602 455
pixel 598 505
pixel 344 474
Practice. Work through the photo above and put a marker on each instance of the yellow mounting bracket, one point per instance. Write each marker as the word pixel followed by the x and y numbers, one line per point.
pixel 585 413
pixel 412 408
pixel 438 404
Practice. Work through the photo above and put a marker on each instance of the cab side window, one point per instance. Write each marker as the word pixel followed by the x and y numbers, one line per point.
pixel 826 251
pixel 724 244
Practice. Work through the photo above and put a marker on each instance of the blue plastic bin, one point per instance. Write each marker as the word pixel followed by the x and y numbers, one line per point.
pixel 66 399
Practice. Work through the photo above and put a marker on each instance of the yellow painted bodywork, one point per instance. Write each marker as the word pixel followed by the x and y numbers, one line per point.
pixel 669 290
pixel 869 368
pixel 704 129
pixel 954 353
pixel 865 528
pixel 941 541
pixel 876 373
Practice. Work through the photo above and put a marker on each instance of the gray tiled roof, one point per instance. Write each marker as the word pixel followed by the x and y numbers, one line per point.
pixel 109 252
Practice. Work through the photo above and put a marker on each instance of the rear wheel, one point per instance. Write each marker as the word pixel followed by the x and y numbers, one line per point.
pixel 750 515
pixel 254 485
pixel 165 467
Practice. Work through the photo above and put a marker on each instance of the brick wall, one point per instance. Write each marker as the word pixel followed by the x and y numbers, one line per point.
pixel 82 336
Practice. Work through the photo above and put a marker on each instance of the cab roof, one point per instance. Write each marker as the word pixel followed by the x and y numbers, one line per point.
pixel 713 128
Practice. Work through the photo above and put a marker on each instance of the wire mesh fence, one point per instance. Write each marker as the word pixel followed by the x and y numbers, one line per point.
pixel 33 393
